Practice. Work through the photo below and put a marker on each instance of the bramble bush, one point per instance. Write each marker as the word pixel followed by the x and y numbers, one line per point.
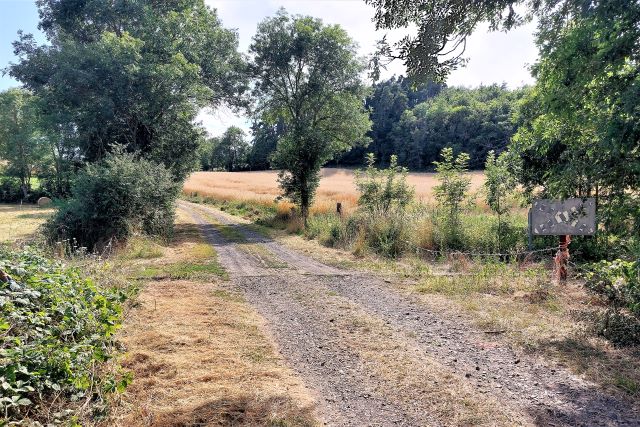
pixel 56 331
pixel 114 199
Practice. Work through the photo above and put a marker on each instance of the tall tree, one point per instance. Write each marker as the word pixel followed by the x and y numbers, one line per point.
pixel 22 143
pixel 265 141
pixel 580 128
pixel 387 102
pixel 474 121
pixel 308 75
pixel 231 150
pixel 133 74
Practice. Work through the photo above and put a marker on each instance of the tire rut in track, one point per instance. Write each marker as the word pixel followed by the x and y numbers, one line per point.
pixel 307 338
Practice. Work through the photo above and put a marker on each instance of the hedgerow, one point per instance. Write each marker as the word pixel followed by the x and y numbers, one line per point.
pixel 56 333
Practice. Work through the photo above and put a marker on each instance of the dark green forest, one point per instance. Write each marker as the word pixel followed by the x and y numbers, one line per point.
pixel 413 121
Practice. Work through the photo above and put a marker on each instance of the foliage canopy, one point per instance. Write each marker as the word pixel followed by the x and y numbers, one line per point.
pixel 134 74
pixel 308 77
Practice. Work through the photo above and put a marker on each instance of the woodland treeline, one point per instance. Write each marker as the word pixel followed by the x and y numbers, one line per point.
pixel 413 121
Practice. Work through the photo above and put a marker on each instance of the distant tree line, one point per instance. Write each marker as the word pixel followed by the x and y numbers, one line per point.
pixel 413 122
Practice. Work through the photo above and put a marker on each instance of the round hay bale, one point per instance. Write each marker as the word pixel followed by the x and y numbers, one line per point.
pixel 44 202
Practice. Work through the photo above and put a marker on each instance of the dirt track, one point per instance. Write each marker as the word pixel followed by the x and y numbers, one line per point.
pixel 376 356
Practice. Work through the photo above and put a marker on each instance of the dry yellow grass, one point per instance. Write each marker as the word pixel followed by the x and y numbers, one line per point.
pixel 336 185
pixel 200 356
pixel 19 222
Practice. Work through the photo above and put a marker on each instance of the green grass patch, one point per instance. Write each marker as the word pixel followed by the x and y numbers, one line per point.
pixel 628 385
pixel 202 251
pixel 141 247
pixel 182 271
pixel 227 296
pixel 259 213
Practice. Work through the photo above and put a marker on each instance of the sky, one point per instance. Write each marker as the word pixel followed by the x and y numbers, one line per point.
pixel 494 57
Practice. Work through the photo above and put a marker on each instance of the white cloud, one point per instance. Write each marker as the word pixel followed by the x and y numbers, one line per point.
pixel 493 57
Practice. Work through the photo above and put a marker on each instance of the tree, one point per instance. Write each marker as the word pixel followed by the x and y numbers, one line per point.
pixel 453 188
pixel 265 141
pixel 132 74
pixel 383 190
pixel 22 143
pixel 308 75
pixel 579 132
pixel 471 120
pixel 389 100
pixel 500 182
pixel 231 151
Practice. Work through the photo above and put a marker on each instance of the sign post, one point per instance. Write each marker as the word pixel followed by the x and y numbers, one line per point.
pixel 564 218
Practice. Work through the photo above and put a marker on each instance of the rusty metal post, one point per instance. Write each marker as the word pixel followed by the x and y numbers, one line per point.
pixel 562 259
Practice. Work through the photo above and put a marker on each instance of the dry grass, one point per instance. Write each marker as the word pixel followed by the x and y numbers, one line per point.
pixel 20 222
pixel 199 358
pixel 336 185
pixel 199 355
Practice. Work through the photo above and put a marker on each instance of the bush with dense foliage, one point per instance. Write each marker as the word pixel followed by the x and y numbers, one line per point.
pixel 618 283
pixel 114 199
pixel 56 331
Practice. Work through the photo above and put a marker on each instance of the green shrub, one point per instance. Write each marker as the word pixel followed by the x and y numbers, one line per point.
pixel 10 190
pixel 452 190
pixel 330 230
pixel 383 190
pixel 387 235
pixel 114 199
pixel 618 283
pixel 500 183
pixel 57 330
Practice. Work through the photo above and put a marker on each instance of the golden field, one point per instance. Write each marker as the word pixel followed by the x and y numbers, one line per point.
pixel 336 185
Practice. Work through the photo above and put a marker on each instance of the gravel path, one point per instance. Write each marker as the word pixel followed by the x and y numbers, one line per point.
pixel 379 357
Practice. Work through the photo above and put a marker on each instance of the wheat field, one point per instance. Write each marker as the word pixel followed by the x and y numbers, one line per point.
pixel 336 185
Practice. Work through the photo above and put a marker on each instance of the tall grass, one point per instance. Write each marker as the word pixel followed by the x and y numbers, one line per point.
pixel 422 230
